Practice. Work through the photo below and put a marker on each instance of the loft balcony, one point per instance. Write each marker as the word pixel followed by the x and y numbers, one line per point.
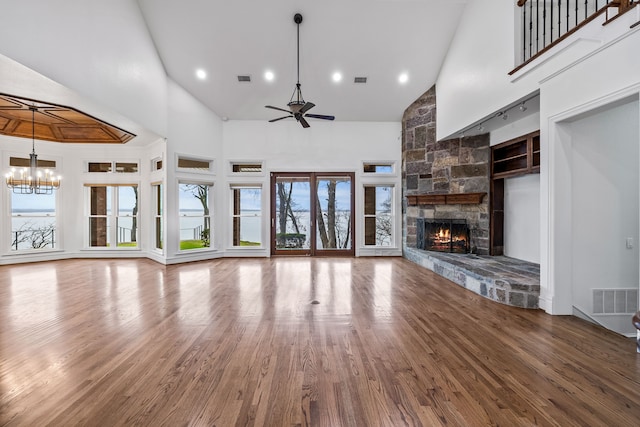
pixel 542 25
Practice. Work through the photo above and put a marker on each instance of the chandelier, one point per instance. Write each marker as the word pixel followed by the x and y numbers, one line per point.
pixel 32 180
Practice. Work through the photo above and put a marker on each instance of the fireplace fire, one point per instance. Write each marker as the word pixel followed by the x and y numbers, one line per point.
pixel 443 235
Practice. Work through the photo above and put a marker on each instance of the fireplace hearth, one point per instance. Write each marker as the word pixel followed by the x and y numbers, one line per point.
pixel 443 235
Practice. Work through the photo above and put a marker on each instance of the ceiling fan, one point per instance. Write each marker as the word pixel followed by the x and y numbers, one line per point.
pixel 297 106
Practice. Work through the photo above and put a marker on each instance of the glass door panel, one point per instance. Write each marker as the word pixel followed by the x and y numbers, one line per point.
pixel 292 217
pixel 311 213
pixel 334 213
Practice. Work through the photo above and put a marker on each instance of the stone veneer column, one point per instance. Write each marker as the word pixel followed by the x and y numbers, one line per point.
pixel 459 165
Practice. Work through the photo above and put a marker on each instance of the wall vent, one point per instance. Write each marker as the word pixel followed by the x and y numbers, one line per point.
pixel 244 78
pixel 360 80
pixel 615 301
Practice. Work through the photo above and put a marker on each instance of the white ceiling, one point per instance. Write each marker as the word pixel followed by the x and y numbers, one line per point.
pixel 377 39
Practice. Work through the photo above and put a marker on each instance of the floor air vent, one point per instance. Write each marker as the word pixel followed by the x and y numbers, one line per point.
pixel 615 301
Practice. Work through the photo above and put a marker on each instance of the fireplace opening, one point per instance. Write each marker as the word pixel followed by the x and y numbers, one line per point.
pixel 443 235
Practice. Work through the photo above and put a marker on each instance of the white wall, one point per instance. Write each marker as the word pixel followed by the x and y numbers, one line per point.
pixel 474 80
pixel 605 211
pixel 522 217
pixel 324 147
pixel 194 132
pixel 100 49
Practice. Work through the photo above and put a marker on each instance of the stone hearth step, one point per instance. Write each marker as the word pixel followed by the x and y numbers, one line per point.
pixel 506 280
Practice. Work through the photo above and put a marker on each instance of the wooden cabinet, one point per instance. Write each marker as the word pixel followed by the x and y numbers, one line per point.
pixel 518 156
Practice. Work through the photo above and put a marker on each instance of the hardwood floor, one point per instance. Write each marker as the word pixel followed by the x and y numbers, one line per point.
pixel 239 342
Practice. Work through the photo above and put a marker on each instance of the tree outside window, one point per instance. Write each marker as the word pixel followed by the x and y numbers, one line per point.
pixel 195 216
pixel 378 219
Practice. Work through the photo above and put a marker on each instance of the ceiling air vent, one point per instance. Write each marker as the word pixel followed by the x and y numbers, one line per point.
pixel 244 78
pixel 360 80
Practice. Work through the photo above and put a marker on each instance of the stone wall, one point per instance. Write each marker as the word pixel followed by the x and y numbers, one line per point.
pixel 459 165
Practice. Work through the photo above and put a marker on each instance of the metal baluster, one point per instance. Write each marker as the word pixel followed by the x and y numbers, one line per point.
pixel 551 24
pixel 586 2
pixel 567 16
pixel 524 33
pixel 530 29
pixel 537 26
pixel 576 13
pixel 544 24
pixel 559 17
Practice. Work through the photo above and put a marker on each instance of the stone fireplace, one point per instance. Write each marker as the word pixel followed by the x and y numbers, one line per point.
pixel 443 235
pixel 438 176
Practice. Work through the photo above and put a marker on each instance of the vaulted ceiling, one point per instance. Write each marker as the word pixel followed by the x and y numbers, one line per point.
pixel 376 39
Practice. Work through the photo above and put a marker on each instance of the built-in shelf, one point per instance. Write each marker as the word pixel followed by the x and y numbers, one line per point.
pixel 445 199
pixel 518 156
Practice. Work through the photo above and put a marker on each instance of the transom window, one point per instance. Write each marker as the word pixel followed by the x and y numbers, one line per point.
pixel 108 167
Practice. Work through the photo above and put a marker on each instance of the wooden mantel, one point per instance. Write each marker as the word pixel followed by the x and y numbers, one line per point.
pixel 445 199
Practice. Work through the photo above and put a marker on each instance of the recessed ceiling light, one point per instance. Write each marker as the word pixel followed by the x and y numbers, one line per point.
pixel 336 77
pixel 403 78
pixel 269 76
pixel 201 74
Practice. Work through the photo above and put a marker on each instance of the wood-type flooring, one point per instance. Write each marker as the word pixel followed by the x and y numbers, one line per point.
pixel 294 342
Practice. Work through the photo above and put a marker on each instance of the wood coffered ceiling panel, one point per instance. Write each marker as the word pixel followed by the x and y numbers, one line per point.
pixel 56 123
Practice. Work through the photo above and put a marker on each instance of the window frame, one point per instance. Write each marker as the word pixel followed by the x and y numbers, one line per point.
pixel 112 218
pixel 210 216
pixel 391 215
pixel 238 217
pixel 158 197
pixel 200 171
pixel 54 164
pixel 113 168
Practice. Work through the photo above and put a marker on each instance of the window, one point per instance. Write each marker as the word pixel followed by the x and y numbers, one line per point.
pixel 247 215
pixel 382 168
pixel 157 214
pixel 195 215
pixel 195 165
pixel 250 167
pixel 156 164
pixel 113 216
pixel 378 215
pixel 21 162
pixel 99 167
pixel 107 167
pixel 33 221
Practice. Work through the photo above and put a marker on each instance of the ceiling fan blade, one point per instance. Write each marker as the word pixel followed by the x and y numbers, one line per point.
pixel 320 116
pixel 276 108
pixel 303 122
pixel 306 107
pixel 279 118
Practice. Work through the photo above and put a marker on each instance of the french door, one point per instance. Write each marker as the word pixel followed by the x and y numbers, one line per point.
pixel 312 213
